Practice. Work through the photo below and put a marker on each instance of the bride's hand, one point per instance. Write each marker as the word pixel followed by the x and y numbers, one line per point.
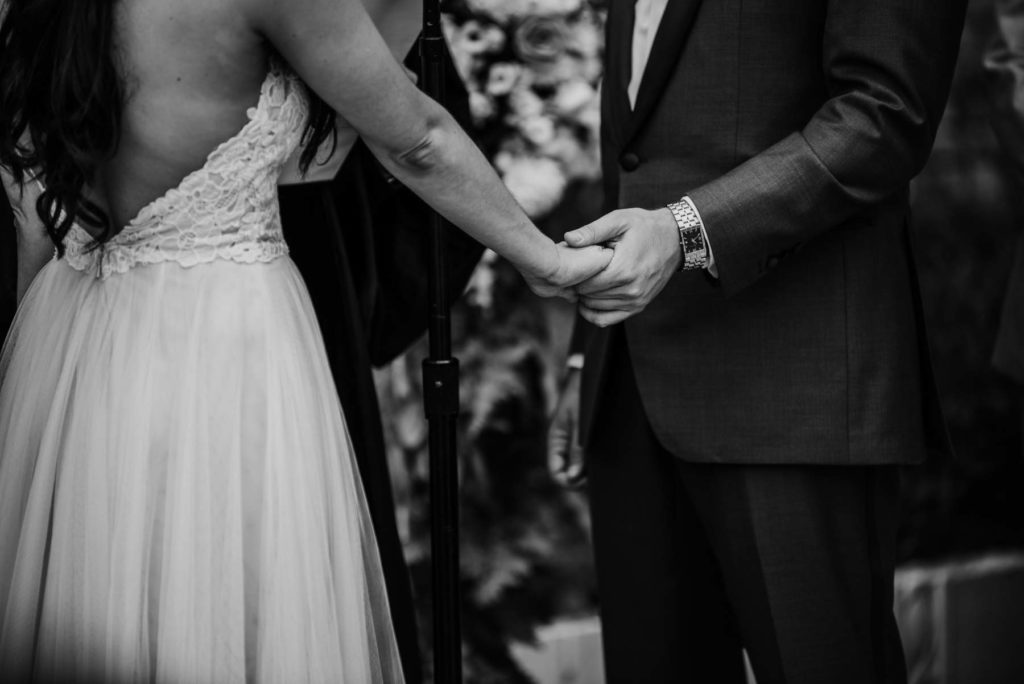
pixel 567 268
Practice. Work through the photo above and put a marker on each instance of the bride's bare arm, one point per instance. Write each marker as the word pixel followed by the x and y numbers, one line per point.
pixel 34 245
pixel 336 49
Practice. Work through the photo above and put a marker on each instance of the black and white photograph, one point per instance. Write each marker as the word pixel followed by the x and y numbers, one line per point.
pixel 512 341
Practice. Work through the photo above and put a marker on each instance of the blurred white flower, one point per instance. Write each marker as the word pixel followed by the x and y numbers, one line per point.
pixel 499 10
pixel 466 65
pixel 481 107
pixel 578 159
pixel 471 38
pixel 525 103
pixel 562 146
pixel 590 117
pixel 480 289
pixel 503 78
pixel 504 11
pixel 541 39
pixel 539 130
pixel 503 161
pixel 587 38
pixel 551 74
pixel 572 96
pixel 542 7
pixel 495 39
pixel 591 68
pixel 537 183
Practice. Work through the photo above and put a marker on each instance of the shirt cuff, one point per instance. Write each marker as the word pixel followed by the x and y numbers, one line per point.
pixel 574 362
pixel 710 266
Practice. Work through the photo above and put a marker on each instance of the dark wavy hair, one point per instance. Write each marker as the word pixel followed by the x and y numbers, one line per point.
pixel 61 103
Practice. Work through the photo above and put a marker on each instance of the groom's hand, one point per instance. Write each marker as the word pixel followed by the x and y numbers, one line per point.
pixel 646 255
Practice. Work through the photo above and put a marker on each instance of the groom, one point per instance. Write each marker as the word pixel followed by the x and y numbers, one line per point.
pixel 744 427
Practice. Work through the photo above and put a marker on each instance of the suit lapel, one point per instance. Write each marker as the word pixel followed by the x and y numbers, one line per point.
pixel 614 98
pixel 668 46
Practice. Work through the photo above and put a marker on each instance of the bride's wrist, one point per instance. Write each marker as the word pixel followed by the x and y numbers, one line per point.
pixel 543 261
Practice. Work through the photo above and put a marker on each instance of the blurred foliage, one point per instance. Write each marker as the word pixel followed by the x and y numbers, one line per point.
pixel 968 213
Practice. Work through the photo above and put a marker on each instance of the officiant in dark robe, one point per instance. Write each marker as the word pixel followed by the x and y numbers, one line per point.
pixel 360 242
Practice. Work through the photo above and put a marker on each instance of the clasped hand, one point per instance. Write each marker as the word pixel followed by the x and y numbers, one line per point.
pixel 645 254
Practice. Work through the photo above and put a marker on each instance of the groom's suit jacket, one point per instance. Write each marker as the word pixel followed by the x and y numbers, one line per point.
pixel 795 126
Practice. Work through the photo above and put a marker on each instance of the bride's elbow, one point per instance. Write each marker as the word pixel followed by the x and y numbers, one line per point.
pixel 427 150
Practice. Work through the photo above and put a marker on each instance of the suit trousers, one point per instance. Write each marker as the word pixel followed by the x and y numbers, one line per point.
pixel 696 562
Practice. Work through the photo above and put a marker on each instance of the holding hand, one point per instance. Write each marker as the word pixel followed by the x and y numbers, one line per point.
pixel 646 254
pixel 565 269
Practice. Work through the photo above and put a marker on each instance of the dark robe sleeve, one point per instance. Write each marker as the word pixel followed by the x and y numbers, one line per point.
pixel 385 230
pixel 401 240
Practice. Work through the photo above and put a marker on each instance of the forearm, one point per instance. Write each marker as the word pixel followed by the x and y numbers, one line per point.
pixel 449 172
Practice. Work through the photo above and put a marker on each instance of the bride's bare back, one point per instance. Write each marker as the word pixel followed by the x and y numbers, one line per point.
pixel 190 69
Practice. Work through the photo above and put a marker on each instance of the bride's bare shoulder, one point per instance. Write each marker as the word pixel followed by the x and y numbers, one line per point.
pixel 191 21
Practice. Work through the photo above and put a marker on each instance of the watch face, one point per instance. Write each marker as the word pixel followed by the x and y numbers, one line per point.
pixel 693 241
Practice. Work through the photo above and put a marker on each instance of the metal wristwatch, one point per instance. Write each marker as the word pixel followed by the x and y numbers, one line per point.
pixel 691 235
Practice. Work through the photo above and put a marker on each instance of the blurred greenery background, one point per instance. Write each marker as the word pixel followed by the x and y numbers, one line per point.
pixel 968 214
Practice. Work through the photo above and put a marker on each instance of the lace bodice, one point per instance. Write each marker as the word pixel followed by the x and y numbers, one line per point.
pixel 227 209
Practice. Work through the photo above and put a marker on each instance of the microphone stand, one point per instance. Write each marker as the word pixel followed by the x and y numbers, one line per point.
pixel 441 405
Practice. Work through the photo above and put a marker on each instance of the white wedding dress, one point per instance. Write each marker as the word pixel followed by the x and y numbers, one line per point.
pixel 178 496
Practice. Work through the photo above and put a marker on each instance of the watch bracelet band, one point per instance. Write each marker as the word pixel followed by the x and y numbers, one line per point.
pixel 691 235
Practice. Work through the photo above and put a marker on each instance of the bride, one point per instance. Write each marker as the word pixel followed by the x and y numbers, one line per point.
pixel 178 501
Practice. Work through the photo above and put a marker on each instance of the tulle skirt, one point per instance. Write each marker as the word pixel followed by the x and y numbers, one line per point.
pixel 178 496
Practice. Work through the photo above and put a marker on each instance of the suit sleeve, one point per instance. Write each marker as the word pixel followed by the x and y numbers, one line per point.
pixel 888 68
pixel 1004 65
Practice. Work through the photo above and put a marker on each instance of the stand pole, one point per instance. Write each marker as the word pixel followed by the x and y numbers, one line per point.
pixel 441 403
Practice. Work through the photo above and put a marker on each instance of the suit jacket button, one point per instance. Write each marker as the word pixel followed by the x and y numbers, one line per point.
pixel 773 262
pixel 630 161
